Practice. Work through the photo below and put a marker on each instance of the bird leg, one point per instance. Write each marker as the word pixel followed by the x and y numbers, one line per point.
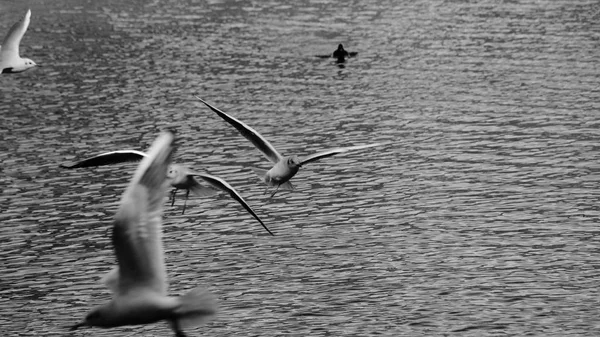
pixel 187 194
pixel 175 326
pixel 277 189
pixel 173 197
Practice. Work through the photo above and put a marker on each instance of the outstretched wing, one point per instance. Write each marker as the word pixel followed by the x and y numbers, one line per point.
pixel 137 230
pixel 10 45
pixel 249 133
pixel 108 158
pixel 224 186
pixel 333 152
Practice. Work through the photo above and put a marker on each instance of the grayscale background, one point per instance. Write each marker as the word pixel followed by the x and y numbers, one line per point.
pixel 480 219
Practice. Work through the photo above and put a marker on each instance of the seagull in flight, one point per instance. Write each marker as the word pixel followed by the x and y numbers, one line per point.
pixel 10 61
pixel 180 177
pixel 285 166
pixel 139 285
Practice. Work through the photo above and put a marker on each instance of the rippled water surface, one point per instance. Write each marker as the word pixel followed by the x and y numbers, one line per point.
pixel 478 219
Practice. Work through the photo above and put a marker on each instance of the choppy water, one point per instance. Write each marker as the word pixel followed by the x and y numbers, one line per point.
pixel 481 219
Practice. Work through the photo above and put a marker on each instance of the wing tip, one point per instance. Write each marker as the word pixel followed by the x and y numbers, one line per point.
pixel 160 153
pixel 27 18
pixel 200 99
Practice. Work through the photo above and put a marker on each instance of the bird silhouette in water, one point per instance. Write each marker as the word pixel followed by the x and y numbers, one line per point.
pixel 285 167
pixel 340 54
pixel 10 61
pixel 139 283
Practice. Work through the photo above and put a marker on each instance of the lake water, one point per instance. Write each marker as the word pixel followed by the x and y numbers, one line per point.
pixel 480 218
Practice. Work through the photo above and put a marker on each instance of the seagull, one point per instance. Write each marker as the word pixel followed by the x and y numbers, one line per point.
pixel 285 167
pixel 10 61
pixel 140 281
pixel 179 177
pixel 177 174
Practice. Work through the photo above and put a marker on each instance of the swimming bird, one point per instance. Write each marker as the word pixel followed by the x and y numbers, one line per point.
pixel 10 61
pixel 140 290
pixel 285 167
pixel 180 177
pixel 340 54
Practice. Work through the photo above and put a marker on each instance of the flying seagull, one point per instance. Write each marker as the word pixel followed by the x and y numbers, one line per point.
pixel 10 61
pixel 285 167
pixel 178 176
pixel 140 290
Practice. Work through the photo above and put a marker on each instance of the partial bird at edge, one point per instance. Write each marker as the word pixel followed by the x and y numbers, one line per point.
pixel 10 60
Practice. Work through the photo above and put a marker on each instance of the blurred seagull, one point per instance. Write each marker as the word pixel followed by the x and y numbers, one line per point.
pixel 140 286
pixel 285 167
pixel 178 176
pixel 10 61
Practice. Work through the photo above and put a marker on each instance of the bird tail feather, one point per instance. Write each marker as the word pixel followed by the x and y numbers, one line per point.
pixel 261 174
pixel 196 307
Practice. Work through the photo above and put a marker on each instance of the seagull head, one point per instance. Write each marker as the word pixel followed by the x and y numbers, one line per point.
pixel 29 63
pixel 294 162
pixel 22 66
pixel 172 172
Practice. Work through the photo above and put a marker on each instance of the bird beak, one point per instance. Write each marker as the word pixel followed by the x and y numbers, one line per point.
pixel 78 325
pixel 192 173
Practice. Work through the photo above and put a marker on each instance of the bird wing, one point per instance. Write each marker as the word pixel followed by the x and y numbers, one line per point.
pixel 108 158
pixel 111 280
pixel 10 45
pixel 137 229
pixel 249 133
pixel 333 152
pixel 224 186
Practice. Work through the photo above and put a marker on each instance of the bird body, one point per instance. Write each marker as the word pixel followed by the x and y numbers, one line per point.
pixel 282 171
pixel 181 178
pixel 340 52
pixel 136 308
